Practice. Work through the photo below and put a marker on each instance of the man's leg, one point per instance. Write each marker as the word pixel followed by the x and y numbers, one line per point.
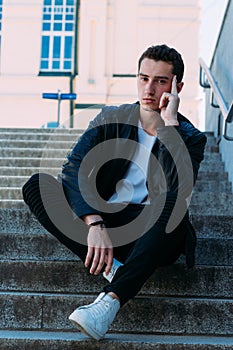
pixel 154 249
pixel 45 198
pixel 44 195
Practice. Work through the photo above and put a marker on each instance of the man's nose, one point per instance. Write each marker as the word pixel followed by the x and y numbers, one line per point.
pixel 150 87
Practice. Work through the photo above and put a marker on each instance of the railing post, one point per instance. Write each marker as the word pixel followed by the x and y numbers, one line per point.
pixel 207 81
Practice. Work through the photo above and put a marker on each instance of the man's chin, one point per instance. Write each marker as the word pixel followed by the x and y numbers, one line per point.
pixel 149 108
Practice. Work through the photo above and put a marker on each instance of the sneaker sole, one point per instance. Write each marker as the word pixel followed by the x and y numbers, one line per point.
pixel 85 329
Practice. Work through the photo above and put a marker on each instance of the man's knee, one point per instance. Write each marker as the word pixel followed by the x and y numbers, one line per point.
pixel 33 185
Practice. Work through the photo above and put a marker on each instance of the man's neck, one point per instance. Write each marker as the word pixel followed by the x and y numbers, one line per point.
pixel 150 121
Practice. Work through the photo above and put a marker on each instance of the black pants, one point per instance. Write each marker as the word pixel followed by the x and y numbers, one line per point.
pixel 141 254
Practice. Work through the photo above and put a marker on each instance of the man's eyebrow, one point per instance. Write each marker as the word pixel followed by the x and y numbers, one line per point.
pixel 145 75
pixel 155 77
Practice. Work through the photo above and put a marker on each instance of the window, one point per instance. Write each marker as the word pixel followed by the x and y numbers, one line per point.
pixel 0 16
pixel 58 36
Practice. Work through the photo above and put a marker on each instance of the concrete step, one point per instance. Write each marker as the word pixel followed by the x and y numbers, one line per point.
pixel 202 185
pixel 39 340
pixel 197 198
pixel 41 144
pixel 12 204
pixel 50 147
pixel 31 162
pixel 45 137
pixel 212 166
pixel 39 134
pixel 210 185
pixel 12 181
pixel 33 152
pixel 35 131
pixel 208 202
pixel 212 148
pixel 211 203
pixel 212 157
pixel 11 192
pixel 213 226
pixel 209 226
pixel 27 171
pixel 57 163
pixel 212 175
pixel 173 281
pixel 184 316
pixel 44 247
pixel 63 141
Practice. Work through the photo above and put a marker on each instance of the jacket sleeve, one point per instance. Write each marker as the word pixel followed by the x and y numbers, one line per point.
pixel 76 171
pixel 181 150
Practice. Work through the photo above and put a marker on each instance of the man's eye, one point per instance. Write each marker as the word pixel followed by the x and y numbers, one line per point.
pixel 162 81
pixel 143 79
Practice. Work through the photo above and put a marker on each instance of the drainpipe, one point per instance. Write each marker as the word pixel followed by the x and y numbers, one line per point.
pixel 73 75
pixel 72 102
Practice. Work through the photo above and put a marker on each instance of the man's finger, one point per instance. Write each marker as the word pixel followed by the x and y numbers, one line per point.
pixel 109 261
pixel 101 261
pixel 164 100
pixel 89 255
pixel 174 86
pixel 95 261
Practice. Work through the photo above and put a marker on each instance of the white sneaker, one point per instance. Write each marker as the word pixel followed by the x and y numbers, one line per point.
pixel 94 319
pixel 116 264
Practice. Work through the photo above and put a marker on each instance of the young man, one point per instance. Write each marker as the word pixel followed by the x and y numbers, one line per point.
pixel 127 182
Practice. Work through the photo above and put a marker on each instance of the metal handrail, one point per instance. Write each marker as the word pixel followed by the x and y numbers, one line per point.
pixel 207 81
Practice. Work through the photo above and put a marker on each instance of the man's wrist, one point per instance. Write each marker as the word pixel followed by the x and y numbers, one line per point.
pixel 88 219
pixel 100 223
pixel 171 123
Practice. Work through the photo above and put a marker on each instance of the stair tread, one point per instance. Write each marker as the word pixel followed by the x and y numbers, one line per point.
pixel 116 337
pixel 175 281
pixel 161 315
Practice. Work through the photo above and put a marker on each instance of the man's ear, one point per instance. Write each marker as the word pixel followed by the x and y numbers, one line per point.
pixel 179 86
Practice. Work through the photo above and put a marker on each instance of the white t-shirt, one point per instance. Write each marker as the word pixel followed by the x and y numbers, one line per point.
pixel 132 188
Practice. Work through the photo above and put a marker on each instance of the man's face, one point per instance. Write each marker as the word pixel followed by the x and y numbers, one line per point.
pixel 154 78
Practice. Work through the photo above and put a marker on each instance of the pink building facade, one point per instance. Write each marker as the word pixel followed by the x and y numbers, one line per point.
pixel 90 48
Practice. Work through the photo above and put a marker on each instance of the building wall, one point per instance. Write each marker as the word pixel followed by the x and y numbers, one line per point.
pixel 121 31
pixel 21 103
pixel 111 36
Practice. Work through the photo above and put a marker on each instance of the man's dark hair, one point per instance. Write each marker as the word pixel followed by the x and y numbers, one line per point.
pixel 166 54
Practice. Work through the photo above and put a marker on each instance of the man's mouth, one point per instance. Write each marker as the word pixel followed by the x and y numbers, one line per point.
pixel 148 100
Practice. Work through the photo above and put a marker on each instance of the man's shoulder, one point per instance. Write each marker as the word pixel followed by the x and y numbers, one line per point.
pixel 186 124
pixel 182 119
pixel 125 113
pixel 123 108
pixel 187 128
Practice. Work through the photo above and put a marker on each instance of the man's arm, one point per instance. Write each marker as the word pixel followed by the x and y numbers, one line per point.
pixel 75 184
pixel 181 149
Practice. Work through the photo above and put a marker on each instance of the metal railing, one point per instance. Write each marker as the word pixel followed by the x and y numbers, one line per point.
pixel 207 81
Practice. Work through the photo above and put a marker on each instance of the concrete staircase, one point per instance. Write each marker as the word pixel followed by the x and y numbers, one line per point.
pixel 42 282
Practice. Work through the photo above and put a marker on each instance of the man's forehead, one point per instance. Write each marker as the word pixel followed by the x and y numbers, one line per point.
pixel 151 67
